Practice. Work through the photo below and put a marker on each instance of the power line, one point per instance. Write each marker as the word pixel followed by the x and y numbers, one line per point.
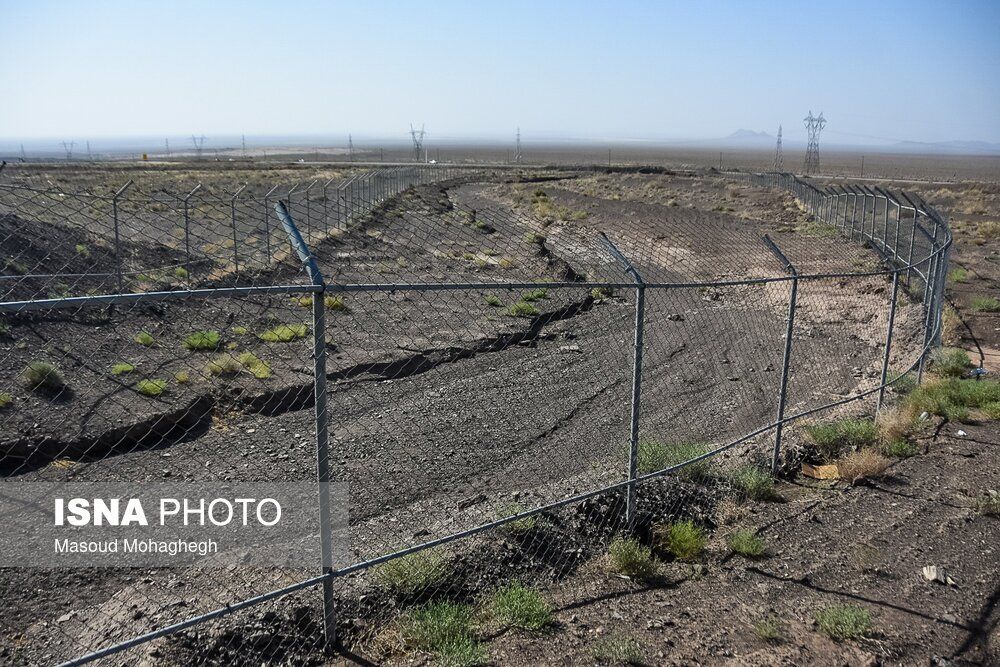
pixel 814 125
pixel 199 144
pixel 779 160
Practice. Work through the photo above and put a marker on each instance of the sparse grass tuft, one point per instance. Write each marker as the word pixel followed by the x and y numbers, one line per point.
pixel 42 376
pixel 180 273
pixel 82 250
pixel 506 263
pixel 600 293
pixel 201 341
pixel 987 505
pixel 5 399
pixel 284 333
pixel 950 362
pixel 532 237
pixel 899 448
pixel 223 365
pixel 632 559
pixel 260 369
pixel 182 377
pixel 151 388
pixel 655 455
pixel 518 526
pixel 618 650
pixel 144 338
pixel 746 543
pixel 902 383
pixel 986 304
pixel 122 368
pixel 535 295
pixel 753 482
pixel 494 301
pixel 443 629
pixel 768 629
pixel 335 303
pixel 958 275
pixel 832 438
pixel 414 573
pixel 240 331
pixel 844 621
pixel 521 607
pixel 522 309
pixel 862 464
pixel 684 540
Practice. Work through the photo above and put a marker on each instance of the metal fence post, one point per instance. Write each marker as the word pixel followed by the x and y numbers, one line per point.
pixel 267 227
pixel 322 426
pixel 888 340
pixel 236 242
pixel 787 353
pixel 640 318
pixel 187 232
pixel 118 241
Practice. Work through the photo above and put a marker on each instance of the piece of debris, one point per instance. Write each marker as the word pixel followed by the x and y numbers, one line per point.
pixel 821 471
pixel 938 574
pixel 569 348
pixel 675 317
pixel 960 433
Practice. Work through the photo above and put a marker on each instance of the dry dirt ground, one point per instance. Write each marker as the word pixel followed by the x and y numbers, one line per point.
pixel 446 407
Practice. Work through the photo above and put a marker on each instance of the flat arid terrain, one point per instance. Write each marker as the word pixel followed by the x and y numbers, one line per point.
pixel 451 408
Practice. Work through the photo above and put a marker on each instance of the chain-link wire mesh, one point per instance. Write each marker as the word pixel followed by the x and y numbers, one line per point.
pixel 505 388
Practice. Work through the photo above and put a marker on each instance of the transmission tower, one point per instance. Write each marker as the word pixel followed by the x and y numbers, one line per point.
pixel 517 147
pixel 199 143
pixel 779 160
pixel 243 140
pixel 350 148
pixel 24 157
pixel 418 142
pixel 814 125
pixel 68 147
pixel 90 156
pixel 166 144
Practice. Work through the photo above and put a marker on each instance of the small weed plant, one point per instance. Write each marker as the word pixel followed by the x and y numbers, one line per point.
pixel 684 540
pixel 520 607
pixel 42 376
pixel 151 388
pixel 201 341
pixel 632 559
pixel 844 621
pixel 746 543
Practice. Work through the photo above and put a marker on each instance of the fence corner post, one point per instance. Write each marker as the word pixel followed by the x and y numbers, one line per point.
pixel 322 425
pixel 787 353
pixel 888 341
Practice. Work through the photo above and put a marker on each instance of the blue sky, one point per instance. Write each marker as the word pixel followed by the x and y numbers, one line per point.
pixel 926 71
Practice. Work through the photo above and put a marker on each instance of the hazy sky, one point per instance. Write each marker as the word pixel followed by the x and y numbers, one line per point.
pixel 925 71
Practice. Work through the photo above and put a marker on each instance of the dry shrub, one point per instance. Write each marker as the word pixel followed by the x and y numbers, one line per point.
pixel 897 422
pixel 862 464
pixel 950 322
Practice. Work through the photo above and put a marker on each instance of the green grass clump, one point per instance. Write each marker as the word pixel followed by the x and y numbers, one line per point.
pixel 413 573
pixel 180 273
pixel 518 526
pixel 42 376
pixel 240 331
pixel 522 309
pixel 182 377
pixel 992 410
pixel 832 438
pixel 899 448
pixel 902 383
pixel 335 303
pixel 445 630
pixel 950 362
pixel 655 455
pixel 284 333
pixel 223 365
pixel 151 387
pixel 844 621
pixel 122 368
pixel 958 275
pixel 753 482
pixel 684 540
pixel 953 398
pixel 5 399
pixel 200 341
pixel 82 250
pixel 768 629
pixel 986 304
pixel 619 650
pixel 260 369
pixel 494 301
pixel 520 607
pixel 987 505
pixel 600 293
pixel 535 295
pixel 746 543
pixel 632 559
pixel 144 338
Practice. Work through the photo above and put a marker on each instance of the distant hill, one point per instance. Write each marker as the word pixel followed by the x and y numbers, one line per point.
pixel 749 135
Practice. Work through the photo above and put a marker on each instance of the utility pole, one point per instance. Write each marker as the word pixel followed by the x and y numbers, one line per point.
pixel 24 157
pixel 418 142
pixel 244 141
pixel 90 156
pixel 166 144
pixel 68 147
pixel 814 125
pixel 350 148
pixel 779 160
pixel 862 167
pixel 517 147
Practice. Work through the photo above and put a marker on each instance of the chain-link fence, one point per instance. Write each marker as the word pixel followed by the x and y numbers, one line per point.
pixel 500 396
